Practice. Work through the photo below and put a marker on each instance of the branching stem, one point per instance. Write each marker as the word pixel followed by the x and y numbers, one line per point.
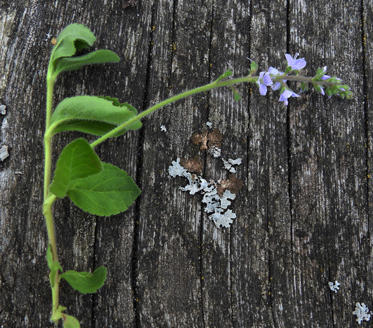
pixel 204 88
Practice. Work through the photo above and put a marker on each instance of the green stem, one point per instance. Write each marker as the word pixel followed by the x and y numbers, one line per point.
pixel 49 198
pixel 47 139
pixel 300 78
pixel 173 99
pixel 48 214
pixel 204 88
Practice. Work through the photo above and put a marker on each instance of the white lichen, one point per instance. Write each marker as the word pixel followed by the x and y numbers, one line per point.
pixel 176 170
pixel 362 312
pixel 4 153
pixel 334 287
pixel 215 205
pixel 2 109
pixel 230 163
pixel 209 125
pixel 194 186
pixel 215 151
pixel 47 36
pixel 223 219
pixel 163 128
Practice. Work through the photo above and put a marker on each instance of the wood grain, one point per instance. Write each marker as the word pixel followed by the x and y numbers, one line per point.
pixel 303 215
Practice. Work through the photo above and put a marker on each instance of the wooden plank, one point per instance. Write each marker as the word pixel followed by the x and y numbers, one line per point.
pixel 302 216
pixel 169 224
pixel 328 156
pixel 368 106
pixel 24 295
pixel 129 35
pixel 223 298
pixel 269 173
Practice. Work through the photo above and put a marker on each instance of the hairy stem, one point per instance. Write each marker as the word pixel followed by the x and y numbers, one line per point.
pixel 49 199
pixel 47 139
pixel 173 99
pixel 204 88
pixel 300 78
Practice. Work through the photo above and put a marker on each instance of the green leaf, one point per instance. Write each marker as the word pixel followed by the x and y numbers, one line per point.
pixel 95 57
pixel 304 86
pixel 70 321
pixel 72 38
pixel 107 193
pixel 223 76
pixel 320 72
pixel 236 95
pixel 317 87
pixel 86 282
pixel 77 160
pixel 93 115
pixel 253 67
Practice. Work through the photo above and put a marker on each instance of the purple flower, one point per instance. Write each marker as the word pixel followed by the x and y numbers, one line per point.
pixel 286 94
pixel 274 72
pixel 325 77
pixel 263 82
pixel 295 63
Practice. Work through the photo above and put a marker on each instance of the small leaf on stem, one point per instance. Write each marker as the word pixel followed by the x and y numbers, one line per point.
pixel 236 95
pixel 86 282
pixel 70 321
pixel 223 76
pixel 304 86
pixel 57 315
pixel 95 57
pixel 72 38
pixel 253 67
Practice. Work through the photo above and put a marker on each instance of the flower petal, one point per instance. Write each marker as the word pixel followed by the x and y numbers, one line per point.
pixel 262 89
pixel 289 59
pixel 267 80
pixel 299 64
pixel 276 86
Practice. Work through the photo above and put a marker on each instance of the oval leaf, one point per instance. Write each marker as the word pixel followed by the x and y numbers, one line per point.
pixel 224 76
pixel 77 160
pixel 93 115
pixel 72 38
pixel 95 57
pixel 70 321
pixel 86 282
pixel 107 193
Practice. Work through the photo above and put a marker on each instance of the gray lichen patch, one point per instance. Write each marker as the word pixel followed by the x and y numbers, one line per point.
pixel 4 153
pixel 2 109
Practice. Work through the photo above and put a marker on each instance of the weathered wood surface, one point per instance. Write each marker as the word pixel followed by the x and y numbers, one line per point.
pixel 303 216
